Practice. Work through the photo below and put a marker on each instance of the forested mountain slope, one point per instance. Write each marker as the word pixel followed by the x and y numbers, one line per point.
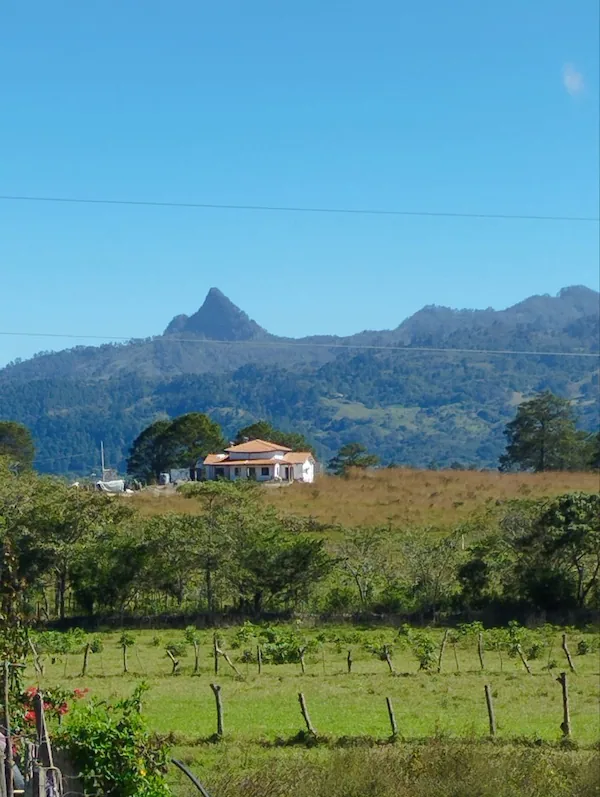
pixel 410 407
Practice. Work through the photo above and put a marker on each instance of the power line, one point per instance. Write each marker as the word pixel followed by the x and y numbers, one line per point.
pixel 298 209
pixel 307 344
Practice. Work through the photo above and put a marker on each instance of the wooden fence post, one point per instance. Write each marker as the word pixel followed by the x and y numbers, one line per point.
pixel 216 653
pixel 349 661
pixel 480 650
pixel 490 710
pixel 8 754
pixel 125 668
pixel 455 656
pixel 259 658
pixel 392 716
pixel 388 658
pixel 301 652
pixel 217 692
pixel 567 653
pixel 2 774
pixel 39 781
pixel 566 723
pixel 175 670
pixel 44 749
pixel 523 659
pixel 196 658
pixel 309 726
pixel 442 648
pixel 86 654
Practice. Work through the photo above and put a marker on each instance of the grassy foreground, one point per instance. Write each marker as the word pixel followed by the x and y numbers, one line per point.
pixel 260 753
pixel 397 496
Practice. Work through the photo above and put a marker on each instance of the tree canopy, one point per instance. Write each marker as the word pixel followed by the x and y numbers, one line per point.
pixel 16 444
pixel 179 443
pixel 543 436
pixel 352 455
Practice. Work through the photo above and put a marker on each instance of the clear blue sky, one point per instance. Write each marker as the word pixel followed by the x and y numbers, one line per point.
pixel 463 106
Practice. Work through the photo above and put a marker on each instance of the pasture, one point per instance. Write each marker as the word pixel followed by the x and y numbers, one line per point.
pixel 262 719
pixel 400 497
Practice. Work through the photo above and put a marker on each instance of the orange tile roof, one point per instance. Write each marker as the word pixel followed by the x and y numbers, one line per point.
pixel 297 457
pixel 214 459
pixel 256 447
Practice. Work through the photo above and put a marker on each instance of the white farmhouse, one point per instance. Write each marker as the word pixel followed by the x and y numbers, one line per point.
pixel 258 460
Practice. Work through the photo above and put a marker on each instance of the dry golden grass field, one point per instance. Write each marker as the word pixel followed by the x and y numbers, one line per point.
pixel 398 496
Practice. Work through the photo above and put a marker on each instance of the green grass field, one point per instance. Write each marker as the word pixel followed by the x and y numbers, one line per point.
pixel 262 711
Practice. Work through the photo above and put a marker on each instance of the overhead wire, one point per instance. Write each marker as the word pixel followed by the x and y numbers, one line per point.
pixel 304 344
pixel 300 209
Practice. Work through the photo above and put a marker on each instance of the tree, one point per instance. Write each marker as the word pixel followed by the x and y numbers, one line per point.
pixel 352 455
pixel 543 436
pixel 190 438
pixel 16 444
pixel 560 554
pixel 594 461
pixel 263 430
pixel 148 457
pixel 364 555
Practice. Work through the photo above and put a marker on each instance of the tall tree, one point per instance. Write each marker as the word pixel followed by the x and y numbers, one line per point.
pixel 543 436
pixel 560 555
pixel 263 430
pixel 148 457
pixel 16 444
pixel 191 437
pixel 352 455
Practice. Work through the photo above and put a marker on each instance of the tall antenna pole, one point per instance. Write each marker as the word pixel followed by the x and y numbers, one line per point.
pixel 102 457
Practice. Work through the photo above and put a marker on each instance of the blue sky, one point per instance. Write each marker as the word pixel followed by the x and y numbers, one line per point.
pixel 463 106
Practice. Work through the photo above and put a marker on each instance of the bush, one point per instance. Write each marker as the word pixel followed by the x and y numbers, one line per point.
pixel 113 750
pixel 583 647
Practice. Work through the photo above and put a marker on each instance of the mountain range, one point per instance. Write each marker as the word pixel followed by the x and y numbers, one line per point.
pixel 398 391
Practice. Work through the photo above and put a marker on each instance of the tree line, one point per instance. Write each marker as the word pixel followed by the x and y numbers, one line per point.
pixel 543 436
pixel 66 551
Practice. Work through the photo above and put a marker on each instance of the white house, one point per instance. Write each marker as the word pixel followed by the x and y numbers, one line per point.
pixel 258 460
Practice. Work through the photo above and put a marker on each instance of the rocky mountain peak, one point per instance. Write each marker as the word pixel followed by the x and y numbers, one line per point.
pixel 217 319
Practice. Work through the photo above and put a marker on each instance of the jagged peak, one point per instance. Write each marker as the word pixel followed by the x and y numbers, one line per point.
pixel 217 319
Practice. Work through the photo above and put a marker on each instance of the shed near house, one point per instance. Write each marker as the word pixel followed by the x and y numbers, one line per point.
pixel 259 460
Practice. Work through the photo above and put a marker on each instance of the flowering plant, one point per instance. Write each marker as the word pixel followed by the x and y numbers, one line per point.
pixel 55 702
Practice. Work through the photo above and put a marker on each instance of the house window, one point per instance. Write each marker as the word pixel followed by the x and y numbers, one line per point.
pixel 264 471
pixel 219 473
pixel 236 471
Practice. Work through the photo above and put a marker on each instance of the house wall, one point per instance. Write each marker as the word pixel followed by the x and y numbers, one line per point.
pixel 257 455
pixel 305 471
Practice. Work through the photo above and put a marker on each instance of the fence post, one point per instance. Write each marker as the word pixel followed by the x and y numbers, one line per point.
pixel 259 658
pixel 480 650
pixel 196 658
pixel 567 653
pixel 566 723
pixel 301 652
pixel 442 648
pixel 309 726
pixel 388 658
pixel 175 669
pixel 392 716
pixel 349 661
pixel 44 748
pixel 39 781
pixel 2 775
pixel 217 692
pixel 216 653
pixel 86 654
pixel 523 659
pixel 8 759
pixel 455 656
pixel 490 710
pixel 125 669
